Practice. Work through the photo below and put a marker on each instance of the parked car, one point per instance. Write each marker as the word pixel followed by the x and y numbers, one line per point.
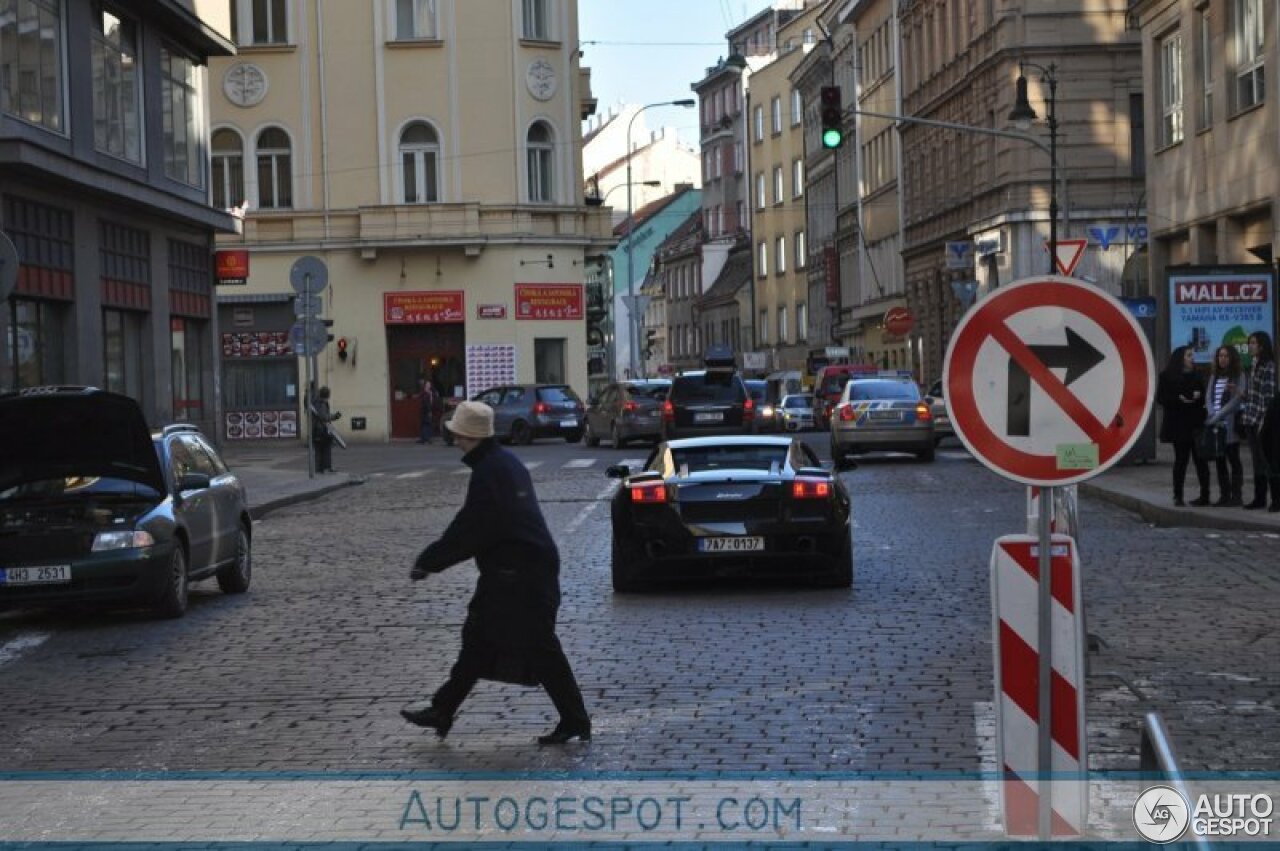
pixel 941 418
pixel 709 401
pixel 524 412
pixel 96 508
pixel 795 412
pixel 829 384
pixel 884 413
pixel 627 411
pixel 722 506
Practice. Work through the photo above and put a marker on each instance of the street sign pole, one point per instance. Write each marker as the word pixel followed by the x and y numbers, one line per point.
pixel 1045 648
pixel 310 392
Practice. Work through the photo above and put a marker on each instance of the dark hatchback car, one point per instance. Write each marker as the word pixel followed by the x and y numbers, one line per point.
pixel 727 506
pixel 707 402
pixel 95 508
pixel 523 412
pixel 626 411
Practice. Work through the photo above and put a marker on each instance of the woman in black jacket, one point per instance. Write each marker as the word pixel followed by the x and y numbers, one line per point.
pixel 1181 394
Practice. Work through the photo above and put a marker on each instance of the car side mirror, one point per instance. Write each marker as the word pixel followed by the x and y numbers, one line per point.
pixel 193 482
pixel 618 471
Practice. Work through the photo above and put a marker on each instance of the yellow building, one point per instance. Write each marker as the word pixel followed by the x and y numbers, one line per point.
pixel 429 154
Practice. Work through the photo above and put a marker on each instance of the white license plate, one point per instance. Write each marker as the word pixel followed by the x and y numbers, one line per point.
pixel 568 424
pixel 731 545
pixel 708 417
pixel 886 415
pixel 46 575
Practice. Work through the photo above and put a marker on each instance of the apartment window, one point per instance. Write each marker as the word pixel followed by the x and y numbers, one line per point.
pixel 420 163
pixel 797 108
pixel 777 184
pixel 800 250
pixel 537 19
pixel 758 119
pixel 31 72
pixel 775 110
pixel 1205 118
pixel 760 191
pixel 802 321
pixel 1171 89
pixel 783 330
pixel 269 22
pixel 762 259
pixel 117 86
pixel 228 169
pixel 797 177
pixel 415 19
pixel 541 145
pixel 1250 61
pixel 275 170
pixel 183 118
pixel 764 326
pixel 122 361
pixel 738 158
pixel 780 254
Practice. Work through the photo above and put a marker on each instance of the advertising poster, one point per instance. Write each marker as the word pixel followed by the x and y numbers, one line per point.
pixel 1215 306
pixel 489 365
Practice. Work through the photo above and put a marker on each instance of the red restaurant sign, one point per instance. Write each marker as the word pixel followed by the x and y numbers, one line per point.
pixel 831 268
pixel 423 308
pixel 549 301
pixel 232 266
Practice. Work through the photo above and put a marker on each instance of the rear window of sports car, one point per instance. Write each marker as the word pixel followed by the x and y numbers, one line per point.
pixel 702 458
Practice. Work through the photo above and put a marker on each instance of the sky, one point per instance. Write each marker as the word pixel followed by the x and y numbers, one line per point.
pixel 648 51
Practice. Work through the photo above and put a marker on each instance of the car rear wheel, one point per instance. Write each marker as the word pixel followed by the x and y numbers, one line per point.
pixel 172 602
pixel 521 433
pixel 625 569
pixel 593 439
pixel 234 578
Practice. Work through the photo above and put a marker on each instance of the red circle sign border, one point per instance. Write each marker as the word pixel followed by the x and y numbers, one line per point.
pixel 1069 294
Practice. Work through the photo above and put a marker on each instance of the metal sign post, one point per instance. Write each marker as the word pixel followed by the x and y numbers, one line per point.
pixel 1044 744
pixel 309 276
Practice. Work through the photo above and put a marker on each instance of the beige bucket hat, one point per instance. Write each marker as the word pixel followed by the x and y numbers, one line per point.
pixel 472 419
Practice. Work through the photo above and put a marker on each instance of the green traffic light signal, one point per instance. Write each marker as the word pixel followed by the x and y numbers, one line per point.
pixel 832 138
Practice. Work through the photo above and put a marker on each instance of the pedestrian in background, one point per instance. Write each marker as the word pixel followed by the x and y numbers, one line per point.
pixel 1181 394
pixel 427 399
pixel 321 437
pixel 1222 400
pixel 510 631
pixel 1258 395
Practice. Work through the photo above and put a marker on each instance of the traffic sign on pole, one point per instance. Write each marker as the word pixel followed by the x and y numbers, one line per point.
pixel 308 275
pixel 1067 254
pixel 1048 381
pixel 308 336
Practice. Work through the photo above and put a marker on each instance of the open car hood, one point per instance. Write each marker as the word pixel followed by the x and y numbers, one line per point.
pixel 49 433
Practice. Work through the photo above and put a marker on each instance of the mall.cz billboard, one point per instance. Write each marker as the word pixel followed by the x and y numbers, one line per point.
pixel 1211 306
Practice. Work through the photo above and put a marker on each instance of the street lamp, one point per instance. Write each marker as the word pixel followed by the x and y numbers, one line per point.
pixel 1023 115
pixel 632 320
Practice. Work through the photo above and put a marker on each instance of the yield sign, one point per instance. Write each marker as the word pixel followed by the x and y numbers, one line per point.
pixel 1048 381
pixel 1067 254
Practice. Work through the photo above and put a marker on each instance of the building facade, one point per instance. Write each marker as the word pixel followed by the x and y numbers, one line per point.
pixel 103 195
pixel 430 156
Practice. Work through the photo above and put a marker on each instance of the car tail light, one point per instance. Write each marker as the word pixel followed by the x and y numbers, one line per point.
pixel 846 413
pixel 748 410
pixel 541 408
pixel 648 493
pixel 631 407
pixel 810 489
pixel 923 412
pixel 668 412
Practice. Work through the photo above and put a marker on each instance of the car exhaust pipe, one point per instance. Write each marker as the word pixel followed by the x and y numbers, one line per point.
pixel 655 549
pixel 807 544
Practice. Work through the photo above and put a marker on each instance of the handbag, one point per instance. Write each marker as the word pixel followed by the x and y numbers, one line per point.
pixel 1211 443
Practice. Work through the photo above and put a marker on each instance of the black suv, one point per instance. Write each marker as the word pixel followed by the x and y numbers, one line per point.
pixel 96 508
pixel 710 401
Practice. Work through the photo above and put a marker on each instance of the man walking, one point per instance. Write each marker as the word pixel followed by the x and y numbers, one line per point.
pixel 510 631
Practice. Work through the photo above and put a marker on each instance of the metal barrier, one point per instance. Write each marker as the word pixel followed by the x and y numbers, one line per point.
pixel 1156 757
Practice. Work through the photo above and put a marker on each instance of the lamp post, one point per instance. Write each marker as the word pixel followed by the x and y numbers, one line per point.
pixel 1023 115
pixel 632 320
pixel 611 301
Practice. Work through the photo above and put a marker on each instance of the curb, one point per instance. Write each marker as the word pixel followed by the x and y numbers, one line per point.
pixel 1172 517
pixel 257 512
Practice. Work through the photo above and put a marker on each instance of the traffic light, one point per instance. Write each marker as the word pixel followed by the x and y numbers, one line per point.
pixel 342 348
pixel 328 323
pixel 650 336
pixel 832 113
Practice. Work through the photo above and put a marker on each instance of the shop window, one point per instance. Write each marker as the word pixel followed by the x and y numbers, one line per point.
pixel 259 384
pixel 36 342
pixel 189 341
pixel 122 355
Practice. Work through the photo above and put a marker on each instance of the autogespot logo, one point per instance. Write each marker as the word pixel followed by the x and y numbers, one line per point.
pixel 1161 815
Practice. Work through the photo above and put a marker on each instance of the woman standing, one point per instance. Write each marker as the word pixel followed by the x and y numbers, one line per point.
pixel 1262 387
pixel 1181 394
pixel 1222 401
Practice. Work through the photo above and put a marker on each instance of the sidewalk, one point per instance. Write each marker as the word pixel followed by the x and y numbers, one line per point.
pixel 277 476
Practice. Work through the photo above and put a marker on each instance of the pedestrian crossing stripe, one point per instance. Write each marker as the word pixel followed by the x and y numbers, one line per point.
pixel 529 465
pixel 578 463
pixel 634 463
pixel 414 475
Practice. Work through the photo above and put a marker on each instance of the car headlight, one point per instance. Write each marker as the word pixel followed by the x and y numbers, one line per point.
pixel 104 541
pixel 766 411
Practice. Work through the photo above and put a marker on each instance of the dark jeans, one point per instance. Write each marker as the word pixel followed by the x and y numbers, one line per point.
pixel 554 674
pixel 425 432
pixel 1264 468
pixel 1183 452
pixel 1230 482
pixel 324 455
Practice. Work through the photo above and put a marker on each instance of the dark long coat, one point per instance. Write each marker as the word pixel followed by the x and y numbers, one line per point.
pixel 1181 418
pixel 512 615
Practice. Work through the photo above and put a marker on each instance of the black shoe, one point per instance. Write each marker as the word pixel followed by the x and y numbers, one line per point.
pixel 564 733
pixel 1275 507
pixel 1257 503
pixel 1200 501
pixel 1222 501
pixel 429 717
pixel 1177 500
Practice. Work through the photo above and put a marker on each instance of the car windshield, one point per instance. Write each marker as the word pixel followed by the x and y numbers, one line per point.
pixel 76 486
pixel 648 391
pixel 798 402
pixel 756 389
pixel 863 391
pixel 697 459
pixel 835 383
pixel 557 394
pixel 711 387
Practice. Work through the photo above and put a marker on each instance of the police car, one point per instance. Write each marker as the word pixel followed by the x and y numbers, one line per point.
pixel 882 413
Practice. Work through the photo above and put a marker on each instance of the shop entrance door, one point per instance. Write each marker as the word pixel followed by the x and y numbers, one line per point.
pixel 413 352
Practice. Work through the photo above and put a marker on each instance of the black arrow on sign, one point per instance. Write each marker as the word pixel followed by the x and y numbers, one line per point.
pixel 1077 357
